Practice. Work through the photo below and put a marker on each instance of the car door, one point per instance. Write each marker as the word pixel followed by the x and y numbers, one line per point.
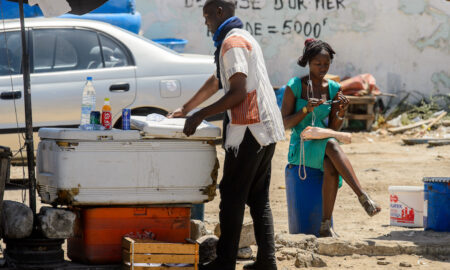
pixel 11 89
pixel 61 60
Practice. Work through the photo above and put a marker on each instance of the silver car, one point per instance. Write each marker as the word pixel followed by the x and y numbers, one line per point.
pixel 132 71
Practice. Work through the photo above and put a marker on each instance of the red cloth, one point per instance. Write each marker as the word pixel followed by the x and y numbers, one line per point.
pixel 363 84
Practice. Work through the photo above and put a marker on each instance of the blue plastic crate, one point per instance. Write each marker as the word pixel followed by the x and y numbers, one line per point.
pixel 172 43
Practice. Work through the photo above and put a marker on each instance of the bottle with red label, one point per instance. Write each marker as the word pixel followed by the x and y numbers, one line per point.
pixel 106 115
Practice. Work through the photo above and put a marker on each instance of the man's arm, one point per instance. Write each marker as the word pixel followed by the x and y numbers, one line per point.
pixel 236 95
pixel 209 88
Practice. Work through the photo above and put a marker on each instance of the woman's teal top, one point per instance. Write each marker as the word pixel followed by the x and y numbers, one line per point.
pixel 314 149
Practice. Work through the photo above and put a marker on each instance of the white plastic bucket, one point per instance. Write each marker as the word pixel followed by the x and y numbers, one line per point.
pixel 406 205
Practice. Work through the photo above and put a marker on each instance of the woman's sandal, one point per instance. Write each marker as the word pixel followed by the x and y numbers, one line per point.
pixel 369 205
pixel 326 230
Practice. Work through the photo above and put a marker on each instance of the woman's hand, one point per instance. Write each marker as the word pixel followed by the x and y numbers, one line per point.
pixel 312 103
pixel 343 103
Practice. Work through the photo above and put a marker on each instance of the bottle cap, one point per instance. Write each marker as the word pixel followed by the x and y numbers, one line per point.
pixel 89 78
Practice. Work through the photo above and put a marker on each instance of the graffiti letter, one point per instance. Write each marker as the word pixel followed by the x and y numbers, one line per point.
pixel 292 4
pixel 256 4
pixel 286 27
pixel 307 29
pixel 317 30
pixel 245 7
pixel 329 5
pixel 258 27
pixel 318 3
pixel 248 27
pixel 188 3
pixel 301 3
pixel 298 27
pixel 280 6
pixel 340 4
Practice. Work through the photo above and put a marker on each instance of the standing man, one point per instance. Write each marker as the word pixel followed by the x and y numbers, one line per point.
pixel 252 127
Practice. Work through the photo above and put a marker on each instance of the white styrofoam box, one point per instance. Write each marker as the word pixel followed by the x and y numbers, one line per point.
pixel 406 205
pixel 158 126
pixel 98 172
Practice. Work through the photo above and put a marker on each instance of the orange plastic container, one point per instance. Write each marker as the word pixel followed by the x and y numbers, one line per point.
pixel 99 231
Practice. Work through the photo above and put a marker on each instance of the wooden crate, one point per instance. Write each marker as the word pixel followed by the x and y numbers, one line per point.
pixel 137 251
pixel 367 102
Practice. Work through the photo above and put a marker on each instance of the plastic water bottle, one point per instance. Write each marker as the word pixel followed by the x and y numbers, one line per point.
pixel 87 102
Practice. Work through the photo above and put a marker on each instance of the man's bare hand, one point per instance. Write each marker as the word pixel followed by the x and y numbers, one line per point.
pixel 192 123
pixel 178 113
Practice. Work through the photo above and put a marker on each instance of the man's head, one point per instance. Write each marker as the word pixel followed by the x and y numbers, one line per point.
pixel 216 12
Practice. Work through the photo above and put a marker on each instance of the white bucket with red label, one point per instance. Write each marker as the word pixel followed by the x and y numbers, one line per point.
pixel 406 205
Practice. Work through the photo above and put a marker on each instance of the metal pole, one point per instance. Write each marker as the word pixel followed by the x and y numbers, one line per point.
pixel 28 114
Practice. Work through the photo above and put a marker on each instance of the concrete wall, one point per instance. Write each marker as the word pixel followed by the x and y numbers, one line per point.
pixel 403 43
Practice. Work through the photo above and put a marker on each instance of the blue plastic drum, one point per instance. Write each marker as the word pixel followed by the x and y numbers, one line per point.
pixel 437 204
pixel 198 211
pixel 304 200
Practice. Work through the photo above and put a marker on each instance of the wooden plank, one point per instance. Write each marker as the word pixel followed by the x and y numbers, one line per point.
pixel 414 141
pixel 158 258
pixel 149 246
pixel 439 142
pixel 361 100
pixel 128 267
pixel 333 77
pixel 353 116
pixel 435 120
pixel 408 127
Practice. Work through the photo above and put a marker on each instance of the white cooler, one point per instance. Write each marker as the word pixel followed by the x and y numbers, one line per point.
pixel 117 167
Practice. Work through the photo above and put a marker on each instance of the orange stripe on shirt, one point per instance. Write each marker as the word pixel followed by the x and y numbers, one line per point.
pixel 235 42
pixel 247 111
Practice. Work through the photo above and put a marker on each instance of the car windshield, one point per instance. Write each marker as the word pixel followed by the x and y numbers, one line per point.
pixel 148 40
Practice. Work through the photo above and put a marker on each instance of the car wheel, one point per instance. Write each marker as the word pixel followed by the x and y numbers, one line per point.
pixel 141 112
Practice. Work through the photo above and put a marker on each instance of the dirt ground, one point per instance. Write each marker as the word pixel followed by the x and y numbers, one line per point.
pixel 379 161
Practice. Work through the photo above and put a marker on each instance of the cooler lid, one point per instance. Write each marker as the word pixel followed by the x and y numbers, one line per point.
pixel 88 135
pixel 159 126
pixel 437 179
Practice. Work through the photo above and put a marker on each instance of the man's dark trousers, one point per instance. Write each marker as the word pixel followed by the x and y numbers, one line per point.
pixel 246 180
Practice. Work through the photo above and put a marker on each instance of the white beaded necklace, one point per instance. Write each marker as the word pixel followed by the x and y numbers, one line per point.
pixel 309 94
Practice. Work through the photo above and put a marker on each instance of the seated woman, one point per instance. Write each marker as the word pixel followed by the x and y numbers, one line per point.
pixel 307 102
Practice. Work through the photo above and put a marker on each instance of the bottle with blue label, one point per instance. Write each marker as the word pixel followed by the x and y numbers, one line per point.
pixel 87 102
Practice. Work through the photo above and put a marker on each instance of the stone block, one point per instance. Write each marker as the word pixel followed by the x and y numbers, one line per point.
pixel 207 249
pixel 301 241
pixel 247 234
pixel 245 253
pixel 307 259
pixel 198 229
pixel 17 220
pixel 56 223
